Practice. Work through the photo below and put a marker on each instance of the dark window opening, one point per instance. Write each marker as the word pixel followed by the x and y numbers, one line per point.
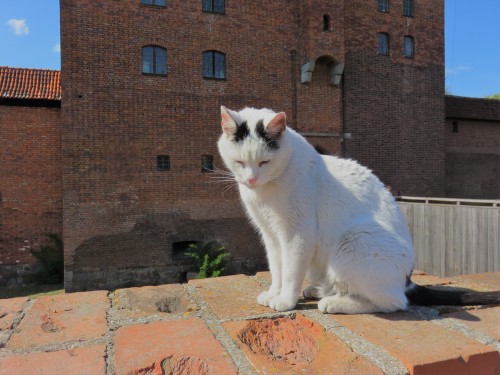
pixel 454 128
pixel 408 8
pixel 207 163
pixel 159 3
pixel 214 65
pixel 409 47
pixel 179 250
pixel 163 162
pixel 326 22
pixel 154 60
pixel 213 6
pixel 383 44
pixel 383 6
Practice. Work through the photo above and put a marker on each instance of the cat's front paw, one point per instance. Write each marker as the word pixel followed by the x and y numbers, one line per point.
pixel 264 298
pixel 279 303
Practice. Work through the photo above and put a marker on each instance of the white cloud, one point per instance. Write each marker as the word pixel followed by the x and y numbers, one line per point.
pixel 457 70
pixel 57 48
pixel 18 26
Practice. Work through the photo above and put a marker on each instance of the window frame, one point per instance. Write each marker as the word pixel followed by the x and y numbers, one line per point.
pixel 213 6
pixel 213 65
pixel 412 44
pixel 154 3
pixel 156 66
pixel 387 44
pixel 408 8
pixel 383 6
pixel 163 163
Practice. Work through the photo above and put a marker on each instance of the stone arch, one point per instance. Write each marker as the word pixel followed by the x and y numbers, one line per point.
pixel 335 69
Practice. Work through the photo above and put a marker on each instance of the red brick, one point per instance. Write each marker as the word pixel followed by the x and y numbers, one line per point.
pixel 152 300
pixel 295 345
pixel 423 347
pixel 232 296
pixel 145 348
pixel 83 361
pixel 485 320
pixel 9 310
pixel 60 318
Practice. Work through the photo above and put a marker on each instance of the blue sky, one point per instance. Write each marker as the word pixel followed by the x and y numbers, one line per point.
pixel 29 38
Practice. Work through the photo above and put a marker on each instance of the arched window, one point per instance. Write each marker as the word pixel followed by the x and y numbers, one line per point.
pixel 409 47
pixel 154 60
pixel 408 8
pixel 214 65
pixel 326 22
pixel 383 43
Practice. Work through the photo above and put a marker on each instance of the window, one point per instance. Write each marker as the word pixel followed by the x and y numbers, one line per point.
pixel 408 8
pixel 383 44
pixel 214 65
pixel 213 6
pixel 207 163
pixel 408 48
pixel 154 60
pixel 383 6
pixel 159 3
pixel 326 22
pixel 163 163
pixel 454 128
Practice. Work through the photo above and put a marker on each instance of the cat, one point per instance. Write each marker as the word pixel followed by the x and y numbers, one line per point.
pixel 323 218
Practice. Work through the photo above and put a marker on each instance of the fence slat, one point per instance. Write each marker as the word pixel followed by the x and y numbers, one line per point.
pixel 454 239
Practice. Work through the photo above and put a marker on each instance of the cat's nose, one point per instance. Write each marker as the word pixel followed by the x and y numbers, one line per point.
pixel 252 181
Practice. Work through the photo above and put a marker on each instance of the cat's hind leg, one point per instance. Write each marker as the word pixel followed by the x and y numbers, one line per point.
pixel 346 304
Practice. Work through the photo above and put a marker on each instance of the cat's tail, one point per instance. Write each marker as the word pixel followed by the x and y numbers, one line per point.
pixel 427 296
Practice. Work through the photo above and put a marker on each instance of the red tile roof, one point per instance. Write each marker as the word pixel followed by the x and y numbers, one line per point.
pixel 472 108
pixel 21 83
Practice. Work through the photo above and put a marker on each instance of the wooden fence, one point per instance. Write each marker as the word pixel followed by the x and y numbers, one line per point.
pixel 454 237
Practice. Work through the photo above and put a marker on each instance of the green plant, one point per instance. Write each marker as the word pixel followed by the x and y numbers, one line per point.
pixel 209 258
pixel 51 258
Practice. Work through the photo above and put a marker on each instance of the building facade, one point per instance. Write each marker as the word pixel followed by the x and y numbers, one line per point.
pixel 142 85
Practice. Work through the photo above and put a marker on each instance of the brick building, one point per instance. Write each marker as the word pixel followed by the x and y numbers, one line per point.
pixel 472 147
pixel 142 85
pixel 30 166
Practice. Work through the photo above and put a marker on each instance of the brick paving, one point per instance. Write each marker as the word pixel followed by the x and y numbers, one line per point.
pixel 214 326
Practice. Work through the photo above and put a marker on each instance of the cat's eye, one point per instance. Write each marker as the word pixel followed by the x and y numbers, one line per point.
pixel 240 163
pixel 264 162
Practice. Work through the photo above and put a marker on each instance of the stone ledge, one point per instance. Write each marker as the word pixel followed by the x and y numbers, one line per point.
pixel 215 326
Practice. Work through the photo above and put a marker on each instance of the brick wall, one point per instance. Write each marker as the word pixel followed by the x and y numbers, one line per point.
pixel 118 120
pixel 472 158
pixel 30 184
pixel 394 106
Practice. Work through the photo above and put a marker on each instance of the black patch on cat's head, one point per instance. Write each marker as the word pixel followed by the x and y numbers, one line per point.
pixel 260 130
pixel 242 132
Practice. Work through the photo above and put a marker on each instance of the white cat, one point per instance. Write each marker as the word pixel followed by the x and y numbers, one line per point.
pixel 321 217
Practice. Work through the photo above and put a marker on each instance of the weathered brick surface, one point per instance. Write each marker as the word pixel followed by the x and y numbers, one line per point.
pixel 214 326
pixel 295 345
pixel 9 311
pixel 185 346
pixel 438 350
pixel 83 361
pixel 61 318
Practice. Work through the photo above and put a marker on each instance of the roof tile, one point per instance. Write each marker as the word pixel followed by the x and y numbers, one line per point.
pixel 472 108
pixel 22 83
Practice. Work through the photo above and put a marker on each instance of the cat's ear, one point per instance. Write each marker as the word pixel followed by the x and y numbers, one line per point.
pixel 276 126
pixel 228 124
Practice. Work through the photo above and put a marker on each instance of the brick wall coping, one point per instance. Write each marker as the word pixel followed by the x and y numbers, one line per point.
pixel 214 326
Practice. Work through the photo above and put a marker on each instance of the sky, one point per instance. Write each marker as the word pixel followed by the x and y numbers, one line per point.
pixel 29 38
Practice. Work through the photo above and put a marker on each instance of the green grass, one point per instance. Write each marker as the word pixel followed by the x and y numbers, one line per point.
pixel 31 291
